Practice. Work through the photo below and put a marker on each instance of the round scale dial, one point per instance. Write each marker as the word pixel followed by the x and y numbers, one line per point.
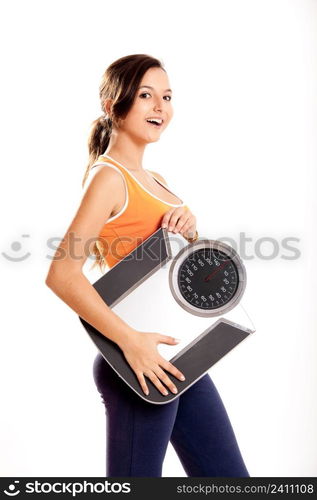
pixel 207 278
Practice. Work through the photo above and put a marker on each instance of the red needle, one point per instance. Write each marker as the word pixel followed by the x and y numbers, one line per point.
pixel 214 272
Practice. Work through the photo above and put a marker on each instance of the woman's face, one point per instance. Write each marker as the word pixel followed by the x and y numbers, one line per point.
pixel 152 100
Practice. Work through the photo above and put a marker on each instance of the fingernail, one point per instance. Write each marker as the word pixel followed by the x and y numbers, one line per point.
pixel 182 377
pixel 164 225
pixel 170 228
pixel 174 390
pixel 177 340
pixel 165 393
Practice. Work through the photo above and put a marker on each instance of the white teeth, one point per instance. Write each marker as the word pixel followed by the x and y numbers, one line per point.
pixel 156 120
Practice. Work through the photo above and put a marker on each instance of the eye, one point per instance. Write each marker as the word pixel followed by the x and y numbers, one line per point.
pixel 147 93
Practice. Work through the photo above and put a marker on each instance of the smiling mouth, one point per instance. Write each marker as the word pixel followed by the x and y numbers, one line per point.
pixel 154 124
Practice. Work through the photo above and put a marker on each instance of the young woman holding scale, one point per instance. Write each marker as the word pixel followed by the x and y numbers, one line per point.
pixel 122 203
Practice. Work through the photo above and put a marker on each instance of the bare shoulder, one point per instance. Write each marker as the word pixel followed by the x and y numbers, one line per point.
pixel 107 188
pixel 104 176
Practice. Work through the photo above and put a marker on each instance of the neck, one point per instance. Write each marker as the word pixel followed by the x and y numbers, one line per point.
pixel 123 149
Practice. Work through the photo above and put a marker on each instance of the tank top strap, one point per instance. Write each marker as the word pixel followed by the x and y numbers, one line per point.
pixel 130 184
pixel 135 185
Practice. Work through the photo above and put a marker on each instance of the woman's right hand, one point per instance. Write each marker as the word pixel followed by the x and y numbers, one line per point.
pixel 140 350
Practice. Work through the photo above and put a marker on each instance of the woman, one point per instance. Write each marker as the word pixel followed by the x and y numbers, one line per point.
pixel 123 203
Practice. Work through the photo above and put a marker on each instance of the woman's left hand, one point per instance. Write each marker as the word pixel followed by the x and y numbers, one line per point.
pixel 180 220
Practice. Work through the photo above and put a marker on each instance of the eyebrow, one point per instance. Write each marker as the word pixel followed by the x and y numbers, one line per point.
pixel 148 86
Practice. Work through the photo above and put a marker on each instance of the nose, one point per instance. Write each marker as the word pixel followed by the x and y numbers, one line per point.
pixel 158 105
pixel 157 108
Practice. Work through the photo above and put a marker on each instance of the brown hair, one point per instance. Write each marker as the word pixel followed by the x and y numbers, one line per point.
pixel 119 82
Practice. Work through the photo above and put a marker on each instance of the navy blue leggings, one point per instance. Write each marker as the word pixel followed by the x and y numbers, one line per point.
pixel 138 432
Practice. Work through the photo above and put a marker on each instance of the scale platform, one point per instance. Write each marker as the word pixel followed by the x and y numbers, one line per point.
pixel 191 291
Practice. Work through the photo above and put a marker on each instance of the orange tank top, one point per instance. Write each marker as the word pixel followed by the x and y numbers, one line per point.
pixel 140 216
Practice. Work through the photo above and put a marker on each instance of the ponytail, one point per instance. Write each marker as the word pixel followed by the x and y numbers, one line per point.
pixel 97 144
pixel 98 141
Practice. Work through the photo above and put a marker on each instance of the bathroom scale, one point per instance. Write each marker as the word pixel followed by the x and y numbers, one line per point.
pixel 191 291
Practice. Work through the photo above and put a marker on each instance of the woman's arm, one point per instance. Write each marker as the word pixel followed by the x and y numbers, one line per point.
pixel 66 279
pixel 65 276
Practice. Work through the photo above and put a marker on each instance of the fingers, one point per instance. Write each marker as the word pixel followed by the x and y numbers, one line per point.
pixel 142 382
pixel 148 363
pixel 157 376
pixel 179 220
pixel 167 216
pixel 190 224
pixel 167 365
pixel 171 217
pixel 167 381
pixel 182 221
pixel 156 381
pixel 167 339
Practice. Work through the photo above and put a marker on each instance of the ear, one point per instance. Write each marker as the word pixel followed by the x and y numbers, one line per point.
pixel 108 106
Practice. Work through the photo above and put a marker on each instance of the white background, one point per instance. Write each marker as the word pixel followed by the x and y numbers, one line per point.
pixel 241 151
